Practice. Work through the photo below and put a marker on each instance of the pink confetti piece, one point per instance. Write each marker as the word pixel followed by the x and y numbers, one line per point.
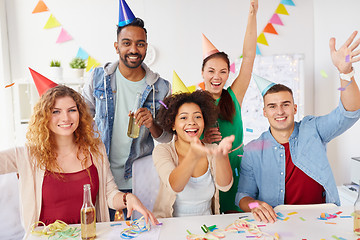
pixel 240 155
pixel 162 103
pixel 233 150
pixel 347 58
pixel 253 205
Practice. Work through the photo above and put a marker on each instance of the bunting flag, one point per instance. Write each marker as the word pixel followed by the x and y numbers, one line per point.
pixel 202 85
pixel 82 54
pixel 287 2
pixel 40 7
pixel 281 10
pixel 91 63
pixel 275 19
pixel 262 40
pixel 63 36
pixel 258 50
pixel 270 29
pixel 191 88
pixel 52 23
pixel 232 68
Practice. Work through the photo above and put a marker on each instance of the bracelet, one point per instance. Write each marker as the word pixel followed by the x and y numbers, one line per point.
pixel 124 198
pixel 347 76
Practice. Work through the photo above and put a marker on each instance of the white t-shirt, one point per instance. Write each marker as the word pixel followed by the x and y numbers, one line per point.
pixel 120 143
pixel 189 202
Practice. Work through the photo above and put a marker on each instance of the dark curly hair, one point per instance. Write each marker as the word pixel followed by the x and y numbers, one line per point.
pixel 166 117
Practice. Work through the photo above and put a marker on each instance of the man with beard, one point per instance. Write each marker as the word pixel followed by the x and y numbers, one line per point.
pixel 111 92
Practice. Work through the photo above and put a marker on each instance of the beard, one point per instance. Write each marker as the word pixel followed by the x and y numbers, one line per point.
pixel 130 64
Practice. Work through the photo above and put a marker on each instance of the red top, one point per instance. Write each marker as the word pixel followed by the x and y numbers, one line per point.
pixel 299 187
pixel 62 196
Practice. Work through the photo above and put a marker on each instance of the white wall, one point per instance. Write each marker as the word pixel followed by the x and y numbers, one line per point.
pixel 7 119
pixel 174 29
pixel 335 19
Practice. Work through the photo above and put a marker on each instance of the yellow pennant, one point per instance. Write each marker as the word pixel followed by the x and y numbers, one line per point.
pixel 261 39
pixel 52 22
pixel 91 63
pixel 281 10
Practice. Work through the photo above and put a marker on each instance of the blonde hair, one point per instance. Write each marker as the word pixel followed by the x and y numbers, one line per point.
pixel 40 139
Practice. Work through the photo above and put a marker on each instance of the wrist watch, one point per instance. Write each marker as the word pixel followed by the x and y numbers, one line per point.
pixel 347 76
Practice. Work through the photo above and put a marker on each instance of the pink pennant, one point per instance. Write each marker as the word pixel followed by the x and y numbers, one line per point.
pixel 232 68
pixel 275 19
pixel 63 36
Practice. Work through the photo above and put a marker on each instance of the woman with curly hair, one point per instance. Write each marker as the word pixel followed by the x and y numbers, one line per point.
pixel 63 153
pixel 191 173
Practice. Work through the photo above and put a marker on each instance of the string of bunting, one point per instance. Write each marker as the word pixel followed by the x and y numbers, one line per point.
pixel 236 226
pixel 56 230
pixel 64 36
pixel 136 227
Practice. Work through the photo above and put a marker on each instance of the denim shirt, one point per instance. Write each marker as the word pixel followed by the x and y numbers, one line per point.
pixel 262 174
pixel 99 94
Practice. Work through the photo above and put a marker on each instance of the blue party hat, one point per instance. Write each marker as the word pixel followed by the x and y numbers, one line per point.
pixel 263 84
pixel 126 16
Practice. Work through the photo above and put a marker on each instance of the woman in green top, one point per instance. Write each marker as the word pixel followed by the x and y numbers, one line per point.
pixel 215 72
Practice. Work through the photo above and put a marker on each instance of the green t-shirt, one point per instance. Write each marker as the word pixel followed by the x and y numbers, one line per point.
pixel 227 199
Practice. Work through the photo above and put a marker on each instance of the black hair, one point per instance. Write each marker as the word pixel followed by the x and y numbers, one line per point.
pixel 137 22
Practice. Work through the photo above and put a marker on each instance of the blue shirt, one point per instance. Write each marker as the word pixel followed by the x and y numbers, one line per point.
pixel 263 165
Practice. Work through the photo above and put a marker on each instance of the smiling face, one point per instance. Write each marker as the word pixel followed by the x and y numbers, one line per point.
pixel 215 74
pixel 189 122
pixel 131 46
pixel 65 117
pixel 279 109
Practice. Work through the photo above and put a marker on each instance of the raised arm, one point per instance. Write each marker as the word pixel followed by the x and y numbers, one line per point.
pixel 343 58
pixel 241 83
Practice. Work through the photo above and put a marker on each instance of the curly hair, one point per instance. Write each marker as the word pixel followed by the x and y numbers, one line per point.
pixel 166 117
pixel 40 139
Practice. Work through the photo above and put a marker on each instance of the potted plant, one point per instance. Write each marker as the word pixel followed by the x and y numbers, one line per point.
pixel 56 71
pixel 78 65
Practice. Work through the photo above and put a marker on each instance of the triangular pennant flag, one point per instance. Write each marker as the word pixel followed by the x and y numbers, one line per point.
pixel 52 23
pixel 287 2
pixel 261 39
pixel 202 85
pixel 258 50
pixel 82 54
pixel 40 7
pixel 91 63
pixel 42 83
pixel 208 47
pixel 263 84
pixel 232 68
pixel 191 88
pixel 177 85
pixel 270 29
pixel 63 36
pixel 281 10
pixel 275 19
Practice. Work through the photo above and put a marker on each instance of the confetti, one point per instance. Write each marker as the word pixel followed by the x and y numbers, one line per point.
pixel 115 224
pixel 277 236
pixel 162 103
pixel 343 88
pixel 323 74
pixel 292 213
pixel 280 214
pixel 253 205
pixel 330 223
pixel 302 218
pixel 345 217
pixel 236 148
pixel 347 58
pixel 287 218
pixel 236 172
pixel 10 85
pixel 340 212
pixel 333 236
pixel 249 130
